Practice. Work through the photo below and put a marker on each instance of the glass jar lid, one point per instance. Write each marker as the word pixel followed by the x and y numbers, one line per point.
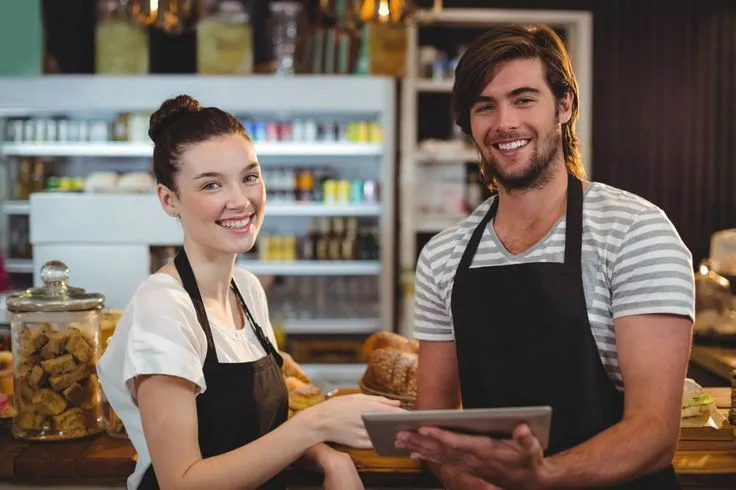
pixel 55 294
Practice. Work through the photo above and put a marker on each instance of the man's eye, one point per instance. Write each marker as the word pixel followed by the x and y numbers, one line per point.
pixel 483 107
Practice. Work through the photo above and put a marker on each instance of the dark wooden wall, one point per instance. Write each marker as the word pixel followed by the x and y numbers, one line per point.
pixel 664 115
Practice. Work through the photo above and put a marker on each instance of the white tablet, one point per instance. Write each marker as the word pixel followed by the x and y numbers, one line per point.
pixel 497 423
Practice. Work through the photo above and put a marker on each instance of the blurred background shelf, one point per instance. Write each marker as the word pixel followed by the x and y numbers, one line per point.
pixel 124 149
pixel 312 268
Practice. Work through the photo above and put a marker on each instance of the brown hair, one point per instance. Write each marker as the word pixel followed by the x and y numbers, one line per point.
pixel 504 43
pixel 181 122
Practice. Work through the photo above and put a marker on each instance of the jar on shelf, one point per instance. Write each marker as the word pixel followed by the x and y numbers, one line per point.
pixel 121 41
pixel 224 39
pixel 55 337
pixel 285 25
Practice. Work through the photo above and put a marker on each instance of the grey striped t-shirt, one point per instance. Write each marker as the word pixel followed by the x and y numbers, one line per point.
pixel 634 262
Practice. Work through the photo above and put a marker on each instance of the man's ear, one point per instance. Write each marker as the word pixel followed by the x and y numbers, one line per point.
pixel 168 200
pixel 565 108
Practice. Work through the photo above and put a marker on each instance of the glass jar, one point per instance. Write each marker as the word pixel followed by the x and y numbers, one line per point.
pixel 224 39
pixel 55 337
pixel 121 42
pixel 284 29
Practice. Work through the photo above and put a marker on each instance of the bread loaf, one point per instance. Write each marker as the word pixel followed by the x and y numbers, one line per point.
pixel 390 340
pixel 392 371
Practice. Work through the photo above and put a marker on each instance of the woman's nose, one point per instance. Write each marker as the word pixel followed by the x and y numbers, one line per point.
pixel 237 198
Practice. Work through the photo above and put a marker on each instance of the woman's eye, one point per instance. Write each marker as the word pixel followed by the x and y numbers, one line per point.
pixel 251 178
pixel 210 186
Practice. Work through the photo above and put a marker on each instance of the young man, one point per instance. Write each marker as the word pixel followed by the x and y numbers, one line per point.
pixel 556 291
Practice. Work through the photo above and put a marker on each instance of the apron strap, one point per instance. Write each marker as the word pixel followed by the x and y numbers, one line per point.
pixel 184 268
pixel 262 338
pixel 574 224
pixel 470 250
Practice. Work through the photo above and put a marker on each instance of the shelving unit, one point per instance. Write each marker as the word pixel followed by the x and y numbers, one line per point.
pixel 124 149
pixel 578 28
pixel 106 239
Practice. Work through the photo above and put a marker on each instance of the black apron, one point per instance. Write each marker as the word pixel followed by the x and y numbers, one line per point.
pixel 244 400
pixel 523 339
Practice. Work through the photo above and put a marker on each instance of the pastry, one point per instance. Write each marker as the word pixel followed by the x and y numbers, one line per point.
pixel 392 371
pixel 304 397
pixel 379 340
pixel 292 382
pixel 6 372
pixel 292 368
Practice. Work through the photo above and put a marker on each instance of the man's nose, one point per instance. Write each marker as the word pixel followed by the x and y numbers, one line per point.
pixel 508 118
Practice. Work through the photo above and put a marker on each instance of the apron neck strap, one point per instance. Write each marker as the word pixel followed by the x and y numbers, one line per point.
pixel 184 268
pixel 265 342
pixel 574 223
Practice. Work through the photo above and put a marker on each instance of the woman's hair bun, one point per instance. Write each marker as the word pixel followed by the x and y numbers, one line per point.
pixel 169 112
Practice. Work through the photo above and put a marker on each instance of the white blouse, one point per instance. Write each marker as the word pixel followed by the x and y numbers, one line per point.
pixel 159 333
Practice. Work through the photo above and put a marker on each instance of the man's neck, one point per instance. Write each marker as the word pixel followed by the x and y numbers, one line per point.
pixel 523 208
pixel 213 271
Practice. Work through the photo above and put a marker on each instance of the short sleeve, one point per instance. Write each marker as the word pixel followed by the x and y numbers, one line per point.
pixel 162 339
pixel 432 320
pixel 653 270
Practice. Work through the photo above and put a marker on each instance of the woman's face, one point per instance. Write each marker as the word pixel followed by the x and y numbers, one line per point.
pixel 221 197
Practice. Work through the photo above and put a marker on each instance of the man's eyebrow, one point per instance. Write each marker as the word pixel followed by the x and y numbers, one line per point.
pixel 514 93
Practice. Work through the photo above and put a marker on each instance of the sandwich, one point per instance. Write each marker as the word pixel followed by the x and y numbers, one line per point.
pixel 695 402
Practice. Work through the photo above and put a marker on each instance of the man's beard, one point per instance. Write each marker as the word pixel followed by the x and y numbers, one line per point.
pixel 536 174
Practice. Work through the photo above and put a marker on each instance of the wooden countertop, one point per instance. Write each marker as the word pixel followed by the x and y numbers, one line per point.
pixel 702 464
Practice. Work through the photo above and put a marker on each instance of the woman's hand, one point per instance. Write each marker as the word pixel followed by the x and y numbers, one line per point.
pixel 340 472
pixel 341 421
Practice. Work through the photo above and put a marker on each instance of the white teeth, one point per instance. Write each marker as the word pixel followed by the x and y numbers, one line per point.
pixel 512 145
pixel 241 223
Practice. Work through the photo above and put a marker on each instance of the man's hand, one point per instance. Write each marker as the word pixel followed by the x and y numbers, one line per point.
pixel 515 463
pixel 453 478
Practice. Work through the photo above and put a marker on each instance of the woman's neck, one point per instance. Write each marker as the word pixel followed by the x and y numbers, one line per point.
pixel 213 271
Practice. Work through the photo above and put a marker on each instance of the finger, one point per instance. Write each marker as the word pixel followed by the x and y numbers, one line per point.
pixel 423 445
pixel 462 442
pixel 527 442
pixel 425 457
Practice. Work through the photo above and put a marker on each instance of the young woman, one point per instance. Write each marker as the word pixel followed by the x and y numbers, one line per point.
pixel 192 370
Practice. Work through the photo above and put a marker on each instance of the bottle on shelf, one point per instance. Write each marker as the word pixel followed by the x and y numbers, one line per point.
pixel 335 239
pixel 323 241
pixel 23 184
pixel 309 242
pixel 38 177
pixel 350 240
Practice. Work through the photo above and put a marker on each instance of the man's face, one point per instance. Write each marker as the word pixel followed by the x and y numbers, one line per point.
pixel 516 124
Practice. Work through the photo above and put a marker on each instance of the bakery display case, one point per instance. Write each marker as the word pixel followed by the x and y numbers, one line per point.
pixel 84 192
